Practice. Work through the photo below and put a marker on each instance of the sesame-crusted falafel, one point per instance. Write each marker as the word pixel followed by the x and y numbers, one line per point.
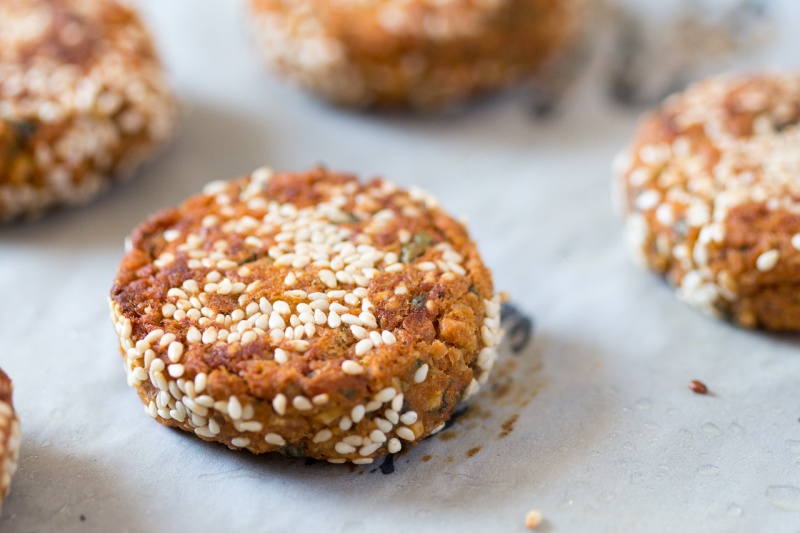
pixel 82 100
pixel 305 313
pixel 711 196
pixel 9 436
pixel 422 53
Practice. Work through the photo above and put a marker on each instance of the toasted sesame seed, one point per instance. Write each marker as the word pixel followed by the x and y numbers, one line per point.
pixel 352 368
pixel 321 399
pixel 344 448
pixel 370 448
pixel 275 439
pixel 328 278
pixel 240 442
pixel 768 260
pixel 386 395
pixel 384 425
pixel 357 413
pixel 323 436
pixel 408 418
pixel 388 338
pixel 405 433
pixel 234 408
pixel 353 440
pixel 421 373
pixel 175 351
pixel 301 403
pixel 279 404
pixel 394 445
pixel 363 346
pixel 358 332
pixel 376 435
pixel 193 335
pixel 397 403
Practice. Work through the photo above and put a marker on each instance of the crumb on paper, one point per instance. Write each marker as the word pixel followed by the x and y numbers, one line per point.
pixel 533 518
pixel 698 386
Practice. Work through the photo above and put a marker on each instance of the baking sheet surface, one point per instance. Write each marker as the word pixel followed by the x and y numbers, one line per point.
pixel 592 422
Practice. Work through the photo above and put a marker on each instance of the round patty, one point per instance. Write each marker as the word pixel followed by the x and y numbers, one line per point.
pixel 9 436
pixel 410 52
pixel 305 313
pixel 82 100
pixel 711 197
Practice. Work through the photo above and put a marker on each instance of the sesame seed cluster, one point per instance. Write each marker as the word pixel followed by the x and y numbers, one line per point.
pixel 305 313
pixel 82 100
pixel 422 53
pixel 711 197
pixel 10 436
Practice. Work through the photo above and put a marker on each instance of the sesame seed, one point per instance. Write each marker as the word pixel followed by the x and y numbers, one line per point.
pixel 373 406
pixel 363 346
pixel 281 356
pixel 210 336
pixel 344 448
pixel 279 404
pixel 353 440
pixel 328 278
pixel 408 418
pixel 386 395
pixel 301 403
pixel 397 403
pixel 365 461
pixel 405 433
pixel 388 338
pixel 204 432
pixel 357 413
pixel 193 335
pixel 275 439
pixel 421 373
pixel 175 370
pixel 276 321
pixel 345 423
pixel 358 332
pixel 370 448
pixel 376 435
pixel 320 399
pixel 796 241
pixel 234 408
pixel 376 338
pixel 394 445
pixel 281 308
pixel 768 260
pixel 338 308
pixel 347 318
pixel 384 425
pixel 323 436
pixel 240 442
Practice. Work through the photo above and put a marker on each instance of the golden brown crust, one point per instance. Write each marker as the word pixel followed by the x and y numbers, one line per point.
pixel 418 52
pixel 336 319
pixel 83 100
pixel 712 199
pixel 9 436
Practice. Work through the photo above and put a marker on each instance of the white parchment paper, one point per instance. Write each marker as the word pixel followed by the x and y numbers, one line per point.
pixel 592 423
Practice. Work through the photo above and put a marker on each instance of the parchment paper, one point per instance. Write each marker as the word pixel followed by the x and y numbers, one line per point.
pixel 592 423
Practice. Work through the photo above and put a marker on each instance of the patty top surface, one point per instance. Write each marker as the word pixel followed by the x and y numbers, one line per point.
pixel 304 284
pixel 712 190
